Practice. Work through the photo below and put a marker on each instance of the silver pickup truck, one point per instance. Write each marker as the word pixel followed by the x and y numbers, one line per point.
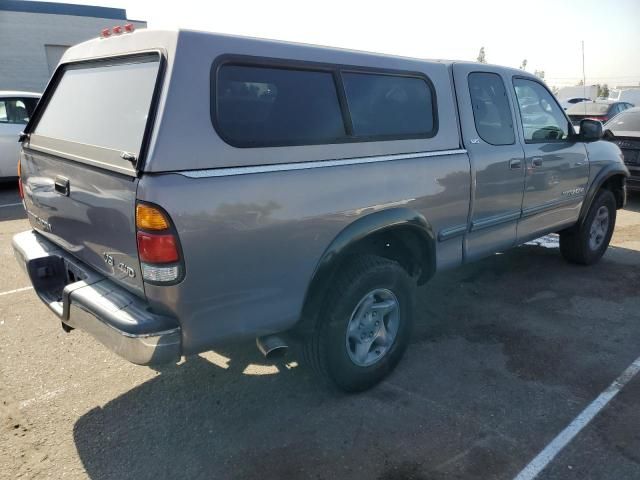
pixel 187 189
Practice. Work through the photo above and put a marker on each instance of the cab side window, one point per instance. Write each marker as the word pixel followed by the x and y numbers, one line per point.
pixel 542 118
pixel 491 111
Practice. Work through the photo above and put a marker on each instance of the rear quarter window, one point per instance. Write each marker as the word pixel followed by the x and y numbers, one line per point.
pixel 491 110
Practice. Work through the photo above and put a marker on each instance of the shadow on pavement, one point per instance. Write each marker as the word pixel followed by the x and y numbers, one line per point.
pixel 633 201
pixel 9 196
pixel 507 351
pixel 14 212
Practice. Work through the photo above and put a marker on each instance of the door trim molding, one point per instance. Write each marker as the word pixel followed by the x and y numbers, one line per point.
pixel 530 211
pixel 285 167
pixel 488 222
pixel 452 232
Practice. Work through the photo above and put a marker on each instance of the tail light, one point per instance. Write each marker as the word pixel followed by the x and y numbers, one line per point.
pixel 20 189
pixel 158 246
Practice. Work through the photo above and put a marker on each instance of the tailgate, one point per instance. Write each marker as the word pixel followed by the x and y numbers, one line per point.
pixel 80 159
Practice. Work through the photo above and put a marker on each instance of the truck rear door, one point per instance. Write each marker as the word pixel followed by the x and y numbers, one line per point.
pixel 497 158
pixel 80 160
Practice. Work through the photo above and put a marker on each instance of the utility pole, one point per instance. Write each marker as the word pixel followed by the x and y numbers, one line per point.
pixel 584 80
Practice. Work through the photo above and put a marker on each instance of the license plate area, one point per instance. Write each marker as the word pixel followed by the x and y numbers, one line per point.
pixel 50 275
pixel 74 274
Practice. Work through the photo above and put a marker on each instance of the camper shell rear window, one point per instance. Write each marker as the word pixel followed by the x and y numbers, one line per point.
pixel 266 103
pixel 99 111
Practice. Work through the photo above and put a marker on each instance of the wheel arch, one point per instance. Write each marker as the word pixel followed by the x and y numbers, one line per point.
pixel 401 234
pixel 612 178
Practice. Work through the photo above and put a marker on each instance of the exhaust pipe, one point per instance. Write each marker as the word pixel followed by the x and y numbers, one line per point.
pixel 271 346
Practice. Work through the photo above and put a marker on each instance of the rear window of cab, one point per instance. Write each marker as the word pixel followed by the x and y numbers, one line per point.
pixel 256 105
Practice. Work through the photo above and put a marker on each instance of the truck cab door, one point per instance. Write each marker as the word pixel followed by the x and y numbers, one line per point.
pixel 557 164
pixel 488 128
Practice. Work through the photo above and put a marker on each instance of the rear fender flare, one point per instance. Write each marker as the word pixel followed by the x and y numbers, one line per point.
pixel 357 231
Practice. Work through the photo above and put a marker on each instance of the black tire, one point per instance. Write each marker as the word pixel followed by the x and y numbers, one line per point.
pixel 575 244
pixel 326 348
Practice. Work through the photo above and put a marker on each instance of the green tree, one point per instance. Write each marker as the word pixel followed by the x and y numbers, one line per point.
pixel 603 90
pixel 523 65
pixel 539 73
pixel 481 56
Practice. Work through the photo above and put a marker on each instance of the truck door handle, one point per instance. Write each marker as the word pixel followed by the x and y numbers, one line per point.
pixel 62 185
pixel 536 162
pixel 515 164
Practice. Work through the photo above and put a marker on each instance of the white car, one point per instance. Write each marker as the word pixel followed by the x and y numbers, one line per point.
pixel 568 102
pixel 15 110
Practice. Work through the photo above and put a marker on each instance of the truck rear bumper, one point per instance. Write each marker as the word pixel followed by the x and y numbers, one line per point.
pixel 84 299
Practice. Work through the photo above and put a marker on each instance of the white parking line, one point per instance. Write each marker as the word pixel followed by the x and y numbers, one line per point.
pixel 547 455
pixel 11 205
pixel 43 398
pixel 15 291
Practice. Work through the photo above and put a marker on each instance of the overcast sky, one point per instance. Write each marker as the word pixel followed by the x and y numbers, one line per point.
pixel 545 32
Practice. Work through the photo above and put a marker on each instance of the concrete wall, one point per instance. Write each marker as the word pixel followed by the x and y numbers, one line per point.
pixel 23 36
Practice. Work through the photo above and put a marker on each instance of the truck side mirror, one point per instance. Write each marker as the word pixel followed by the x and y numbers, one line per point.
pixel 590 130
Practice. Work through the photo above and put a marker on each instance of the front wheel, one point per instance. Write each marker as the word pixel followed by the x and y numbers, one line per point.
pixel 364 326
pixel 586 243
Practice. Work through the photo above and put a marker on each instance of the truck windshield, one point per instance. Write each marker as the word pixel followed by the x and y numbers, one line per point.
pixel 100 105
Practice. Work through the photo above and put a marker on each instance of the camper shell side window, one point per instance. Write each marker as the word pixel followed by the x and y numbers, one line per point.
pixel 269 103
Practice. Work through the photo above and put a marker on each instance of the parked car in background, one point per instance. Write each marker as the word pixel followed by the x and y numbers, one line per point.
pixel 602 110
pixel 629 95
pixel 15 110
pixel 568 102
pixel 624 131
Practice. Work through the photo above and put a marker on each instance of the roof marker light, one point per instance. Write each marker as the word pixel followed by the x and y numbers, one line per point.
pixel 129 28
pixel 105 33
pixel 117 30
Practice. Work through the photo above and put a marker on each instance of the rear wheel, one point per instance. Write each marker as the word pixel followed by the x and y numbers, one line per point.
pixel 586 243
pixel 364 326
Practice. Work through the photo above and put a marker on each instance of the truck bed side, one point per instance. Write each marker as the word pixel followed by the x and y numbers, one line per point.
pixel 252 242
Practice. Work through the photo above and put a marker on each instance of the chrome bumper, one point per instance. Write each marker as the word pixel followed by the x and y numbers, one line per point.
pixel 93 303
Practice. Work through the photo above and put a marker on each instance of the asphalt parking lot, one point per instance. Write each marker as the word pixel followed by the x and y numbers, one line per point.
pixel 508 352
